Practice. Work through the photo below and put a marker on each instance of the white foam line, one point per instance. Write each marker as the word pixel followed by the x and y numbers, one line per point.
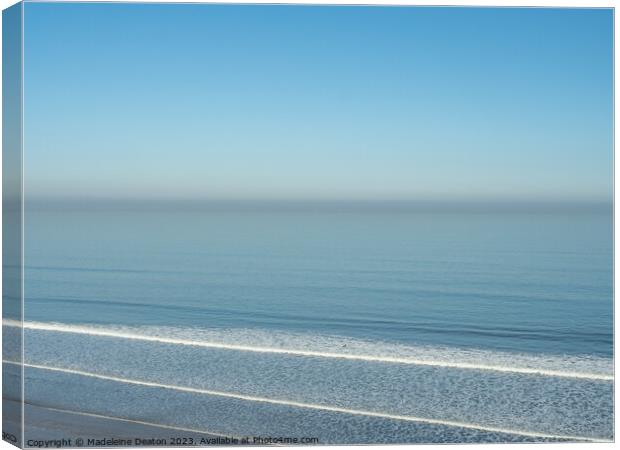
pixel 309 353
pixel 311 405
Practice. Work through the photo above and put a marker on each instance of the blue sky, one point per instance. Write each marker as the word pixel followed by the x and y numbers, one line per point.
pixel 299 102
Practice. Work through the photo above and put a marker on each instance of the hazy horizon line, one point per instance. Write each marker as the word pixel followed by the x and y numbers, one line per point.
pixel 317 204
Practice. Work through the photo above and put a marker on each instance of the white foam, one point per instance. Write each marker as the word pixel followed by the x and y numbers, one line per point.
pixel 431 421
pixel 579 367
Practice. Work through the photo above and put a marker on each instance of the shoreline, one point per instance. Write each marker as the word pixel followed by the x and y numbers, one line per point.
pixel 54 428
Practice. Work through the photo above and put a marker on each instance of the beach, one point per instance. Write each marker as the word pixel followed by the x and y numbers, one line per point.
pixel 55 428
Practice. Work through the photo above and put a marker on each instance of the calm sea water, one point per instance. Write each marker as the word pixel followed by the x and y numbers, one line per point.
pixel 351 327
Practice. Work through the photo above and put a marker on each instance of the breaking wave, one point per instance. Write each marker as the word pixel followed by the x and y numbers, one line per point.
pixel 266 381
pixel 336 347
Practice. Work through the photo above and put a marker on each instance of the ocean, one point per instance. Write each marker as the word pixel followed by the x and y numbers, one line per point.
pixel 348 327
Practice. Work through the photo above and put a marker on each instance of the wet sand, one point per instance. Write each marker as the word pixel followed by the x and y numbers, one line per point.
pixel 53 428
